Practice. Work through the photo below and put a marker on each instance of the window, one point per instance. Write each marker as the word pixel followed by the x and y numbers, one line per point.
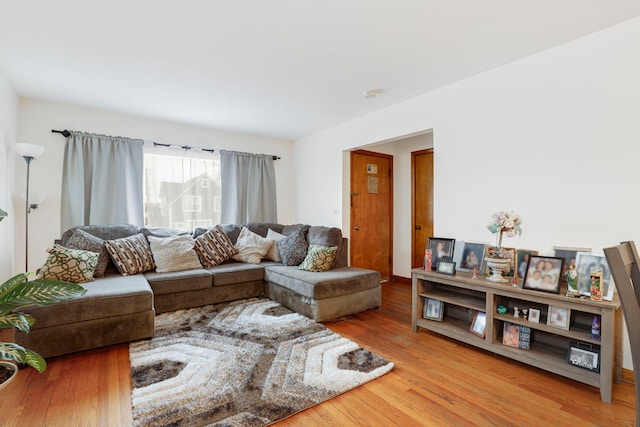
pixel 181 191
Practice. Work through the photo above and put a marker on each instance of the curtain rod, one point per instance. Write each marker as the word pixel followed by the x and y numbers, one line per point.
pixel 66 134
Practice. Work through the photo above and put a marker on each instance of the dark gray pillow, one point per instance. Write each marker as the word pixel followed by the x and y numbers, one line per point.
pixel 293 248
pixel 324 236
pixel 80 239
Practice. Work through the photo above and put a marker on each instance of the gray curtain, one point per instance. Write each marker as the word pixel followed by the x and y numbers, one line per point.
pixel 102 181
pixel 248 188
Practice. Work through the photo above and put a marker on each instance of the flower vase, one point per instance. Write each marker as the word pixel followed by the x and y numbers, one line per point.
pixel 497 265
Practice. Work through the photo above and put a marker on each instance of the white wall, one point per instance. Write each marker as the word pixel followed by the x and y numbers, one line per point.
pixel 36 118
pixel 8 160
pixel 553 136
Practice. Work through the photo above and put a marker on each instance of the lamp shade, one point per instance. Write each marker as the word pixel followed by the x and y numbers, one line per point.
pixel 29 150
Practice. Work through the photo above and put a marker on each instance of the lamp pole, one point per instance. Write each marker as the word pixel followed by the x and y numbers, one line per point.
pixel 26 217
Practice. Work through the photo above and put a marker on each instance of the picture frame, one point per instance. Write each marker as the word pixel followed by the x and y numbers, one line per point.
pixel 585 356
pixel 440 248
pixel 570 256
pixel 510 334
pixel 558 317
pixel 586 263
pixel 479 324
pixel 543 274
pixel 433 309
pixel 534 315
pixel 522 260
pixel 472 256
pixel 447 267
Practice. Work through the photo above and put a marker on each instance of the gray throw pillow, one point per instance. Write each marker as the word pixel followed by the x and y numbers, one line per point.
pixel 293 248
pixel 80 239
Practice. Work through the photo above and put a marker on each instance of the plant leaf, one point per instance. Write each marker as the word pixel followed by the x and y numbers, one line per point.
pixel 39 292
pixel 13 352
pixel 35 360
pixel 20 321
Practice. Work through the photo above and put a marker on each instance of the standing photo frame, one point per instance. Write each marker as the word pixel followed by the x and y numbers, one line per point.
pixel 584 356
pixel 522 260
pixel 588 263
pixel 534 315
pixel 441 248
pixel 479 324
pixel 570 256
pixel 472 256
pixel 559 317
pixel 433 309
pixel 543 274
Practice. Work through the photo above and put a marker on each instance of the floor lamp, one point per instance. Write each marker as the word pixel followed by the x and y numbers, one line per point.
pixel 28 152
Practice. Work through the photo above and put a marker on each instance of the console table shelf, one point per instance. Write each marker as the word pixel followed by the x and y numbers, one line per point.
pixel 549 346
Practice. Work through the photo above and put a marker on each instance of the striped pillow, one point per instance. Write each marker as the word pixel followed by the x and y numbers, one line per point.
pixel 214 247
pixel 131 255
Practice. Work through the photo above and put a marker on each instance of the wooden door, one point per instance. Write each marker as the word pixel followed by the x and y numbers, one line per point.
pixel 422 201
pixel 372 212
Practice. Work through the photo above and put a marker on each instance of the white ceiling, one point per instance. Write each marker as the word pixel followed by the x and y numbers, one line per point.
pixel 281 68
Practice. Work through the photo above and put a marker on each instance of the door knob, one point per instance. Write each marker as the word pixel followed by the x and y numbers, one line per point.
pixel 357 228
pixel 418 227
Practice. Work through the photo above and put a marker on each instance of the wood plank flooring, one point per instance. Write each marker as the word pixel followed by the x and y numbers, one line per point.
pixel 436 382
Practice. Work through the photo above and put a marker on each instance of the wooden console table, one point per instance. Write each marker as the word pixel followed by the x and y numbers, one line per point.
pixel 549 346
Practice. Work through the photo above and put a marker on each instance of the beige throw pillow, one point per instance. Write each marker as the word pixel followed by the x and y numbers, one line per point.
pixel 175 253
pixel 274 253
pixel 251 247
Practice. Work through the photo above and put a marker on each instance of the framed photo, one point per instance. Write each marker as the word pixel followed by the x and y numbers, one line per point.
pixel 570 256
pixel 440 248
pixel 584 356
pixel 472 256
pixel 587 263
pixel 479 324
pixel 510 334
pixel 522 260
pixel 543 274
pixel 534 315
pixel 433 309
pixel 558 317
pixel 447 267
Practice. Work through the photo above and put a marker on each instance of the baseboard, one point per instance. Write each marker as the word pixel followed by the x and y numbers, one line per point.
pixel 400 279
pixel 628 376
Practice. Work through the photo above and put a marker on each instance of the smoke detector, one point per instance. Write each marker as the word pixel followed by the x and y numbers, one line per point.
pixel 372 93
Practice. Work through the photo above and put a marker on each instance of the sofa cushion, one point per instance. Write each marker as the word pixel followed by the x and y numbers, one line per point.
pixel 319 258
pixel 287 230
pixel 251 247
pixel 179 281
pixel 293 248
pixel 70 265
pixel 175 253
pixel 231 230
pixel 80 239
pixel 105 232
pixel 324 236
pixel 262 228
pixel 231 273
pixel 214 247
pixel 131 255
pixel 333 283
pixel 109 296
pixel 162 232
pixel 274 253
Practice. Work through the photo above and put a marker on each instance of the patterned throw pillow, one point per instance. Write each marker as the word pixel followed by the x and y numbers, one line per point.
pixel 214 247
pixel 80 239
pixel 319 258
pixel 274 253
pixel 251 247
pixel 174 253
pixel 131 255
pixel 293 248
pixel 70 265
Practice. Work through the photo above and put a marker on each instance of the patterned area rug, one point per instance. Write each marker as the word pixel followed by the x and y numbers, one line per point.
pixel 244 363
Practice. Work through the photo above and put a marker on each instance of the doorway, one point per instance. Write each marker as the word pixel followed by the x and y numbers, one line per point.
pixel 372 212
pixel 421 203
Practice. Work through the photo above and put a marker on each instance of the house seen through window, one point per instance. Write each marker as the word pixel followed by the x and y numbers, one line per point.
pixel 181 191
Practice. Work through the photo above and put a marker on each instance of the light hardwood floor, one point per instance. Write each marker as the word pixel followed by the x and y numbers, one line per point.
pixel 436 382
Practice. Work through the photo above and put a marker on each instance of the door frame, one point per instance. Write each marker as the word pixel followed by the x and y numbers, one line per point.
pixel 414 154
pixel 390 201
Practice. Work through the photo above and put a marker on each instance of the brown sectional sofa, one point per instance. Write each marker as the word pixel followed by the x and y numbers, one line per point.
pixel 119 309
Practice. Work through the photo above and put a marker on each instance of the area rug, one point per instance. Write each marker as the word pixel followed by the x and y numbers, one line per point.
pixel 243 363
